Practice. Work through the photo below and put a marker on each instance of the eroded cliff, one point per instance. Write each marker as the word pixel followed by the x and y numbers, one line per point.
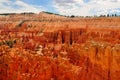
pixel 52 47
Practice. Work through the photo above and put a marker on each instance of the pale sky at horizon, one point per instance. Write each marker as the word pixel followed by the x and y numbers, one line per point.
pixel 63 7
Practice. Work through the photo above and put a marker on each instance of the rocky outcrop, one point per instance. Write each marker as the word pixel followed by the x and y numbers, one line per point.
pixel 52 47
pixel 82 35
pixel 102 63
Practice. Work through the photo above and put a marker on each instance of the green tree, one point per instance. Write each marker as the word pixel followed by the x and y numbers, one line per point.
pixel 72 16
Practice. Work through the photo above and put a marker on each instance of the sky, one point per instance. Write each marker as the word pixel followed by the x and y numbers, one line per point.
pixel 63 7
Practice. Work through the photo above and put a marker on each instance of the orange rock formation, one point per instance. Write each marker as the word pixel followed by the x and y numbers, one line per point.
pixel 51 47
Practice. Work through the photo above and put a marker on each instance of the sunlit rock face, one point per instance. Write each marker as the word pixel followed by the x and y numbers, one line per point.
pixel 52 47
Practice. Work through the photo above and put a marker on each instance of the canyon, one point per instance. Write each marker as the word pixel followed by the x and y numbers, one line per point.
pixel 48 46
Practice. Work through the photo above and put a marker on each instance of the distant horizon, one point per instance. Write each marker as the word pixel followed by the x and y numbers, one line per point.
pixel 115 14
pixel 63 7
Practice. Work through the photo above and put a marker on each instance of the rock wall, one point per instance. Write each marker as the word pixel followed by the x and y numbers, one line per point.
pixel 50 47
pixel 102 62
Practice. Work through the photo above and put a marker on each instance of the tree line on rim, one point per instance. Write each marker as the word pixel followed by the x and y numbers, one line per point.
pixel 72 16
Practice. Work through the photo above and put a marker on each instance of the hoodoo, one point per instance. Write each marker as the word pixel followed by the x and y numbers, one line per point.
pixel 49 46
